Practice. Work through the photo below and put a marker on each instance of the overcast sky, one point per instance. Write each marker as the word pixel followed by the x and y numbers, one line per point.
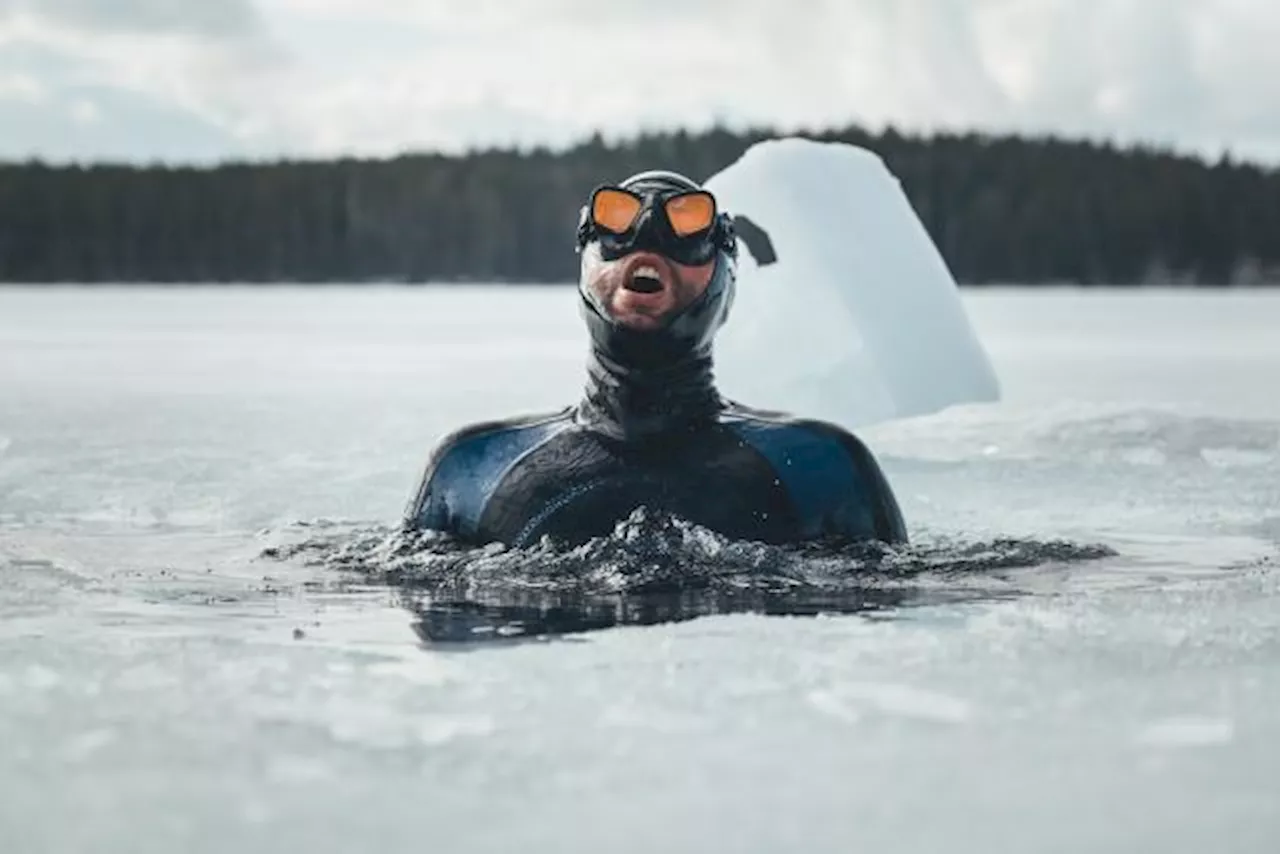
pixel 214 79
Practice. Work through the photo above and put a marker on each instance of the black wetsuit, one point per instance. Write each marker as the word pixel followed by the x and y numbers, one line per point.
pixel 653 432
pixel 667 442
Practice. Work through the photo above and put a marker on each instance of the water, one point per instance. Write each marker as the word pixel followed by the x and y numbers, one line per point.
pixel 165 686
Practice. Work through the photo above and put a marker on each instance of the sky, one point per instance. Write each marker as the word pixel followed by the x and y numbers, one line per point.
pixel 208 80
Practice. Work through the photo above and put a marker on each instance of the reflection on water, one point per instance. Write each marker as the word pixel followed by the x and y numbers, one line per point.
pixel 444 620
pixel 655 569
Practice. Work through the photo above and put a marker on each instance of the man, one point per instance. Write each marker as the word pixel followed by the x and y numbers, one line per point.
pixel 657 282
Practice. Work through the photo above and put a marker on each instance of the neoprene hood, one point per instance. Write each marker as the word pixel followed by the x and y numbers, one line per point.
pixel 688 334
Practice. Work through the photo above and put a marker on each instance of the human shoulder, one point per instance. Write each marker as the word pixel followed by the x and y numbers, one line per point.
pixel 822 464
pixel 465 464
pixel 484 429
pixel 777 425
pixel 477 437
pixel 777 420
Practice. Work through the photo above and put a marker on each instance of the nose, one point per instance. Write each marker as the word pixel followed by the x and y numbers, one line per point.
pixel 644 222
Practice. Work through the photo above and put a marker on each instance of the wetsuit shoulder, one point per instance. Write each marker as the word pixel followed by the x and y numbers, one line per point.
pixel 833 479
pixel 467 464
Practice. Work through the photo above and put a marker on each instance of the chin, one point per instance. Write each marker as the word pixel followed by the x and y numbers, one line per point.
pixel 639 322
pixel 642 311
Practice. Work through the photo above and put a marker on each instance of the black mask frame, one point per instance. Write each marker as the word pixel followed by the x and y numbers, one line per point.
pixel 651 231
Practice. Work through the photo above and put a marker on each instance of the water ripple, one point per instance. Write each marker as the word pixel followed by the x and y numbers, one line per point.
pixel 654 569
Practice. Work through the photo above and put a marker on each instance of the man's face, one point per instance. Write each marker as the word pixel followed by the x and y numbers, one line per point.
pixel 643 290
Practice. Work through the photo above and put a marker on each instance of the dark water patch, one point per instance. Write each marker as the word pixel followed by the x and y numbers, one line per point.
pixel 654 569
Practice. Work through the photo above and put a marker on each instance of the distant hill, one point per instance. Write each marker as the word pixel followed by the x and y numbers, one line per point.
pixel 1002 209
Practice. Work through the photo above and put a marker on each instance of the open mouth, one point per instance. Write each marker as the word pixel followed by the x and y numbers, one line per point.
pixel 644 280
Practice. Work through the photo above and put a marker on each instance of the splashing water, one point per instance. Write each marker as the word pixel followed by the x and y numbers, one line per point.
pixel 654 568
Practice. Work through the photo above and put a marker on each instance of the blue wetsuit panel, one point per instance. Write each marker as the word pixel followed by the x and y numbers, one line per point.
pixel 821 479
pixel 468 474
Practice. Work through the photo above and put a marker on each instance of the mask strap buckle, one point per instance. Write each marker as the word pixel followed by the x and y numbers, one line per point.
pixel 586 229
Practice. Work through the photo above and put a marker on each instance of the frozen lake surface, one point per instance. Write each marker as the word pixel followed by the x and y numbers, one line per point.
pixel 166 687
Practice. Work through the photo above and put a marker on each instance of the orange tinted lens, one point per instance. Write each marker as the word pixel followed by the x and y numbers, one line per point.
pixel 691 213
pixel 614 210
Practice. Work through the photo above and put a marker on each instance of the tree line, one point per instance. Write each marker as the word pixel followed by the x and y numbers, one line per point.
pixel 1001 209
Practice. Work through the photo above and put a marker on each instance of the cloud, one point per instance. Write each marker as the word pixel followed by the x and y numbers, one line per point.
pixel 320 77
pixel 1156 70
pixel 24 88
pixel 215 18
pixel 1165 71
pixel 127 79
pixel 93 124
